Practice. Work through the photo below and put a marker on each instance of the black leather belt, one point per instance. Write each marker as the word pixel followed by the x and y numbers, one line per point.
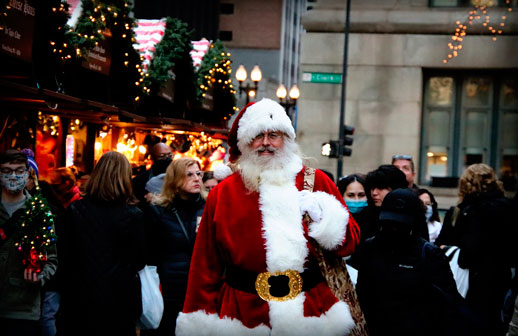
pixel 280 286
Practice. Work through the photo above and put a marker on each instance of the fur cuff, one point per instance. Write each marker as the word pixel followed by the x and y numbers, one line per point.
pixel 329 232
pixel 201 323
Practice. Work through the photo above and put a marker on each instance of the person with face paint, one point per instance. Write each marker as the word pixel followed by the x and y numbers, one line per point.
pixel 20 286
pixel 432 214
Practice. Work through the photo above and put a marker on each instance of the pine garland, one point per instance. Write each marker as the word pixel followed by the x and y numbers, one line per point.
pixel 172 49
pixel 35 232
pixel 215 73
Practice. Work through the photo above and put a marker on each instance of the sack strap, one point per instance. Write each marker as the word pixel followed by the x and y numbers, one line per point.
pixel 309 179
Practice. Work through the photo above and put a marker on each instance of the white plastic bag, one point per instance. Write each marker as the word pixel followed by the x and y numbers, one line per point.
pixel 152 301
pixel 460 275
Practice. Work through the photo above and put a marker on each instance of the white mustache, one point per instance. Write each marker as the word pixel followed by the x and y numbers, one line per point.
pixel 269 149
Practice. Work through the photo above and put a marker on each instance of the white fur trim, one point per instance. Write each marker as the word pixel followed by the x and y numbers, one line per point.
pixel 265 115
pixel 199 323
pixel 329 232
pixel 282 221
pixel 287 318
pixel 221 172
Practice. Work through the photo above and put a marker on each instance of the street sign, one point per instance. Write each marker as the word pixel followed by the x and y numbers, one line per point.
pixel 322 77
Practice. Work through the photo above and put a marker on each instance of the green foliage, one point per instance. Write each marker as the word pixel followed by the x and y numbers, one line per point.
pixel 35 228
pixel 214 75
pixel 172 50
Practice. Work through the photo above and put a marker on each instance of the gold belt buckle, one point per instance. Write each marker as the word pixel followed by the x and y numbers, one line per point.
pixel 263 287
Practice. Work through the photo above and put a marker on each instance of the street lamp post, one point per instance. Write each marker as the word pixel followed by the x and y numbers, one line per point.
pixel 255 76
pixel 291 100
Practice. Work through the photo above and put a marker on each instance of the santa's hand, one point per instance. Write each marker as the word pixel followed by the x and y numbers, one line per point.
pixel 308 203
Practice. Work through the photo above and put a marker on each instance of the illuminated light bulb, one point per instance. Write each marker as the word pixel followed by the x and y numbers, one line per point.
pixel 460 47
pixel 455 54
pixel 450 56
pixel 430 154
pixel 494 38
pixel 252 93
pixel 444 61
pixel 142 149
pixel 502 24
pixel 97 146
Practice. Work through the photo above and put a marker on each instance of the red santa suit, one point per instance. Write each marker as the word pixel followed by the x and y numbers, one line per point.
pixel 263 231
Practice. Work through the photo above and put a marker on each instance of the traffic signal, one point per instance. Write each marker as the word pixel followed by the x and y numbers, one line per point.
pixel 331 148
pixel 348 141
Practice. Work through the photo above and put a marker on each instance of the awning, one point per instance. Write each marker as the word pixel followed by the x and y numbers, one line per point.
pixel 14 96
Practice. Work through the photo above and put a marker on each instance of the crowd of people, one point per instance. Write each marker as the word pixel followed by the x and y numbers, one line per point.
pixel 237 250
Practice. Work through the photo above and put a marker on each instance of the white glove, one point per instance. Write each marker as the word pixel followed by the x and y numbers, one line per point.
pixel 309 203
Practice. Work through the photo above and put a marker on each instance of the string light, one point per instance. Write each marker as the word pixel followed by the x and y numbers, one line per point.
pixel 480 10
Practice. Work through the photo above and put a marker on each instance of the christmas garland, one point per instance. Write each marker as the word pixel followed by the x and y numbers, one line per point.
pixel 174 46
pixel 35 231
pixel 215 74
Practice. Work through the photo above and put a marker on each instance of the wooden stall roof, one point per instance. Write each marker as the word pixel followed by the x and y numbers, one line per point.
pixel 14 96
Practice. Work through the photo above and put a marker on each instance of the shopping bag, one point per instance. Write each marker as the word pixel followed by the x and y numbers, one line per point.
pixel 152 301
pixel 460 274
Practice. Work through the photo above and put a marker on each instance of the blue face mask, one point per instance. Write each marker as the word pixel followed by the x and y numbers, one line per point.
pixel 355 206
pixel 429 212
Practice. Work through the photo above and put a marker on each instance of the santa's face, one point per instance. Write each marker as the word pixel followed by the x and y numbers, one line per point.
pixel 267 143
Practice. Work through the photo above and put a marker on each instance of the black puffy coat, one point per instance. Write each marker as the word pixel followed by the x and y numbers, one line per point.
pixel 485 231
pixel 407 289
pixel 174 243
pixel 103 250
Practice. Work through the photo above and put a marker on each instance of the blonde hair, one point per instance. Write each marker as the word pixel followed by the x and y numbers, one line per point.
pixel 173 181
pixel 478 178
pixel 110 180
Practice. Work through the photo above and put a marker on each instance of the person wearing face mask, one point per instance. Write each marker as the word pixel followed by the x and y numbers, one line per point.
pixel 432 215
pixel 20 286
pixel 405 286
pixel 354 190
pixel 161 155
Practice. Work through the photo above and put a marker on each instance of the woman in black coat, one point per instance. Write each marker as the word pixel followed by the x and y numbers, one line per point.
pixel 482 227
pixel 176 214
pixel 103 250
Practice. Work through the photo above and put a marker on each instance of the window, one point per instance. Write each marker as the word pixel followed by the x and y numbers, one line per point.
pixel 225 35
pixel 468 118
pixel 226 8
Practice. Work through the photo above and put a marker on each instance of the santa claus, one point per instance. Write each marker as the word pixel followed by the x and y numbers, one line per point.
pixel 253 270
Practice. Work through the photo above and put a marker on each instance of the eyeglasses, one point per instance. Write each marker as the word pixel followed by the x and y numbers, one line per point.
pixel 272 136
pixel 9 171
pixel 164 156
pixel 198 174
pixel 402 157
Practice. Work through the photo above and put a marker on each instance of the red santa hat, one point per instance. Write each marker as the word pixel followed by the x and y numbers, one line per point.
pixel 255 118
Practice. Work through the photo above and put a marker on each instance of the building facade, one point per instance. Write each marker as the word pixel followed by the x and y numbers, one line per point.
pixel 266 33
pixel 405 95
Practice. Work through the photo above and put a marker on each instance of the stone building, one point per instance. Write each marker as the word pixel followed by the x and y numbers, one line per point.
pixel 405 95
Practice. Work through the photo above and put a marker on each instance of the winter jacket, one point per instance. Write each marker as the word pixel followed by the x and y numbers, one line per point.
pixel 484 231
pixel 103 249
pixel 20 299
pixel 174 243
pixel 406 289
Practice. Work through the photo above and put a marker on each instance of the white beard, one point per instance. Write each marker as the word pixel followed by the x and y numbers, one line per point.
pixel 280 168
